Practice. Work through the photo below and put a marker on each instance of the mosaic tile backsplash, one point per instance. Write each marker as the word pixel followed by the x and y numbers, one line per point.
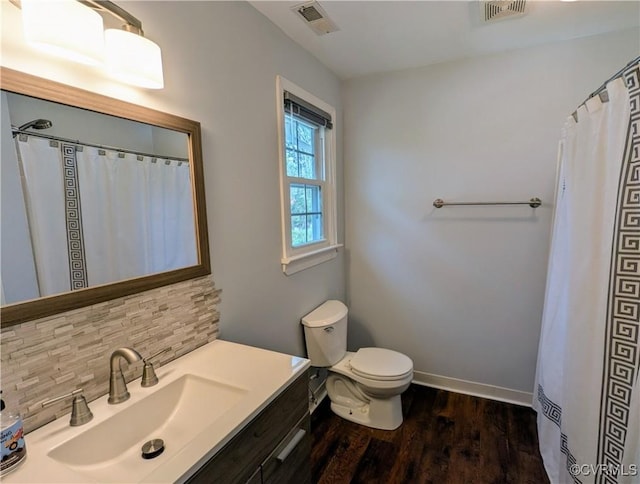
pixel 44 358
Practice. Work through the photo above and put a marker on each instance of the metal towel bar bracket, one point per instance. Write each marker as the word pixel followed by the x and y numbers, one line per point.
pixel 533 203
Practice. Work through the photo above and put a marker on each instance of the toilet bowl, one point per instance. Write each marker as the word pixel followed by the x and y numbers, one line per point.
pixel 365 397
pixel 363 386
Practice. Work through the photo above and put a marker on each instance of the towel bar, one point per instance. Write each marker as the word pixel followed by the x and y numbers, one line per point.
pixel 533 203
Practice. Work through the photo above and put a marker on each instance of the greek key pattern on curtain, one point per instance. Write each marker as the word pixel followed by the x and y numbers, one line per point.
pixel 553 412
pixel 73 215
pixel 622 345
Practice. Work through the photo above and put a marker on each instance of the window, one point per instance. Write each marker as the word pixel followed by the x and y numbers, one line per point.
pixel 307 178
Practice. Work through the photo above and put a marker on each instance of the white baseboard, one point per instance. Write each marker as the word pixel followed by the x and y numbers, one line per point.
pixel 491 392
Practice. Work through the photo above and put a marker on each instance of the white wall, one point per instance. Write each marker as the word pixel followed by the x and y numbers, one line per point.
pixel 220 64
pixel 460 289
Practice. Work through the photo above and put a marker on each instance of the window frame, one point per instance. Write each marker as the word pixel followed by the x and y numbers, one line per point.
pixel 295 259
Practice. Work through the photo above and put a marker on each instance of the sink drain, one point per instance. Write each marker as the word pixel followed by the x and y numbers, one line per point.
pixel 152 448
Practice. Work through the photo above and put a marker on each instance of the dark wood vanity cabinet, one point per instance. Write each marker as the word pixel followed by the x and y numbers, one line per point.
pixel 275 447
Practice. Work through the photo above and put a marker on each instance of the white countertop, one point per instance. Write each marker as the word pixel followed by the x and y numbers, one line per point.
pixel 263 374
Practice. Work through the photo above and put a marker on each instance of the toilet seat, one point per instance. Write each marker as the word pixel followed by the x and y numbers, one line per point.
pixel 381 364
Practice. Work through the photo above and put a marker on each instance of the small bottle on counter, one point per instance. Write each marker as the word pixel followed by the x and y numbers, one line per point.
pixel 14 449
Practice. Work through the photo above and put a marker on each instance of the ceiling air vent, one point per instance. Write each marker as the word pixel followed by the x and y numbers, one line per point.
pixel 315 17
pixel 499 9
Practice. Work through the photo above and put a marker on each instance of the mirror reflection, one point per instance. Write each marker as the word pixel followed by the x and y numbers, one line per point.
pixel 89 199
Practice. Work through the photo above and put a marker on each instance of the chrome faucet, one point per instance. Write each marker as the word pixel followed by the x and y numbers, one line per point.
pixel 118 392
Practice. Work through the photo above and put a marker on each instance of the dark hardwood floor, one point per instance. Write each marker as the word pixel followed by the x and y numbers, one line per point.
pixel 445 438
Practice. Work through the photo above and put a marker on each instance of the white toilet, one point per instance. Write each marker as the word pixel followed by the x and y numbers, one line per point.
pixel 364 387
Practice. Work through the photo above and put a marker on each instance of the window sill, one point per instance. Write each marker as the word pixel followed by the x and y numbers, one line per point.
pixel 291 265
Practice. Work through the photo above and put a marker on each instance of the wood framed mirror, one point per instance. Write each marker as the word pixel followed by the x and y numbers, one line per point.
pixel 86 285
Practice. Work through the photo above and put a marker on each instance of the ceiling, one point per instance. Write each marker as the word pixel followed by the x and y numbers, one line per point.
pixel 379 36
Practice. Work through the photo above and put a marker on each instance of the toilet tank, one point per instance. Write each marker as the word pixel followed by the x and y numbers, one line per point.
pixel 325 333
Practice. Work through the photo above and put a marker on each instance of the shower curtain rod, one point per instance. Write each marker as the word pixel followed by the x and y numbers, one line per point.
pixel 616 75
pixel 601 90
pixel 16 131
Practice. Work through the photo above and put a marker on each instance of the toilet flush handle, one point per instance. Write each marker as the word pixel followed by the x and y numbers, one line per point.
pixel 329 329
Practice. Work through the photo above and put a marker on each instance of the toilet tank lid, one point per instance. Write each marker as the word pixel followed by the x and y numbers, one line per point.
pixel 329 312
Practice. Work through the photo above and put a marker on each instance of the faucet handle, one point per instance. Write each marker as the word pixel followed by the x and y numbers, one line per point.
pixel 149 377
pixel 156 354
pixel 80 411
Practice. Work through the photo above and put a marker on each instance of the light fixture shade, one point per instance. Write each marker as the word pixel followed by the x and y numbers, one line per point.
pixel 133 59
pixel 65 28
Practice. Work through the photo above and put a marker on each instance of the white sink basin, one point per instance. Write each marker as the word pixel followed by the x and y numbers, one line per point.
pixel 176 413
pixel 202 401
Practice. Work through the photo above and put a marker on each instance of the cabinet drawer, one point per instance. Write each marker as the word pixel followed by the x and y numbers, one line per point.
pixel 256 478
pixel 290 462
pixel 237 461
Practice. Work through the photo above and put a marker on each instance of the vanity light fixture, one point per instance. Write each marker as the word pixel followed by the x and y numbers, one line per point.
pixel 64 28
pixel 133 59
pixel 130 57
pixel 74 29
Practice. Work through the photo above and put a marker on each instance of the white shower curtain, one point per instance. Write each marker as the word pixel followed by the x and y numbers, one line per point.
pixel 137 214
pixel 587 392
pixel 97 216
pixel 42 184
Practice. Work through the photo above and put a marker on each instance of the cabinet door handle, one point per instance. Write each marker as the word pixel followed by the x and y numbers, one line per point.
pixel 291 445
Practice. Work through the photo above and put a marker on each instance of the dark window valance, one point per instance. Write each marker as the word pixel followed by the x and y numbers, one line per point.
pixel 306 110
